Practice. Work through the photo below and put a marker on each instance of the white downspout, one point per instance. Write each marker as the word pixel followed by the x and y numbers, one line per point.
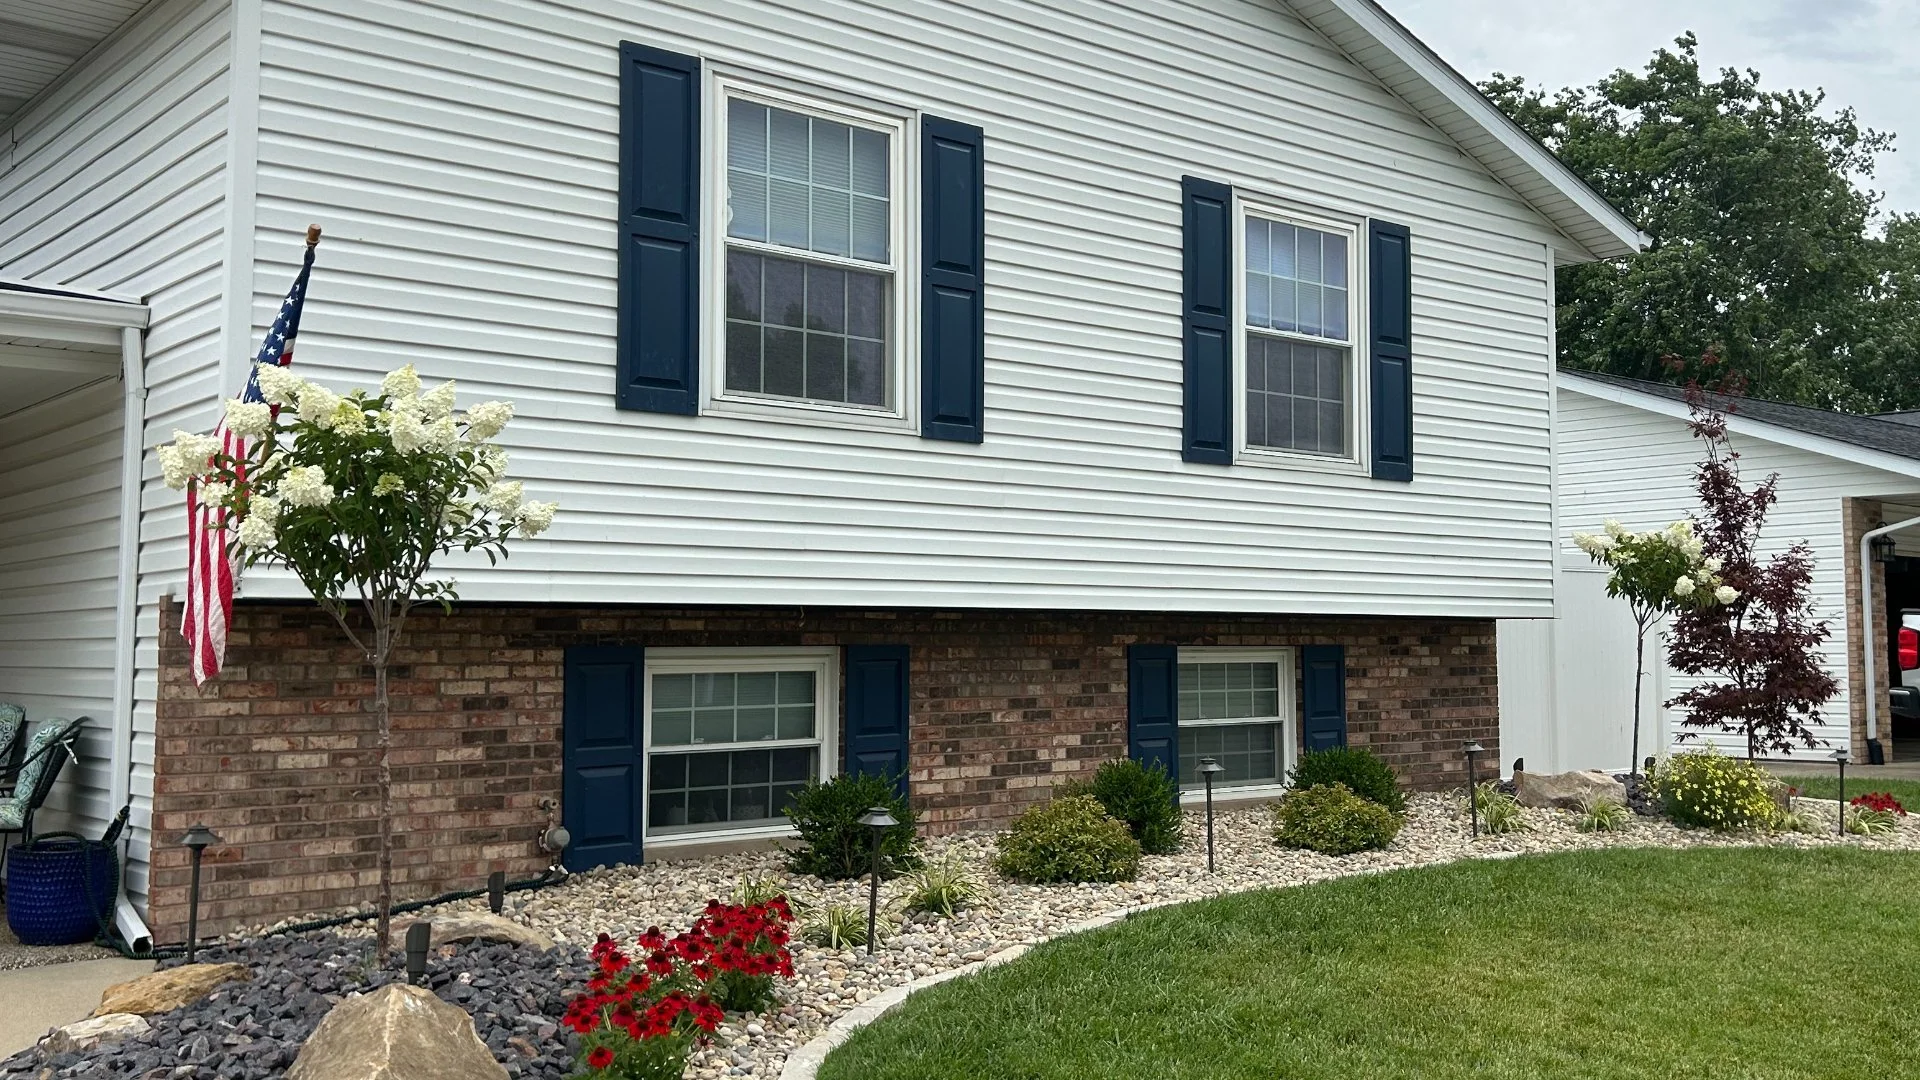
pixel 1870 644
pixel 133 422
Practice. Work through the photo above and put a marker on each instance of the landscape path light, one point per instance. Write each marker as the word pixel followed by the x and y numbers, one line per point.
pixel 1473 788
pixel 878 821
pixel 197 840
pixel 1209 769
pixel 419 937
pixel 1840 758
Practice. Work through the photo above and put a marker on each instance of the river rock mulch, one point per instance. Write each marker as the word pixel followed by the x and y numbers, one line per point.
pixel 252 1031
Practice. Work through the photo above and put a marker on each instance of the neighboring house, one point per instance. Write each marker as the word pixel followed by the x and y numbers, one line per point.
pixel 975 392
pixel 1623 450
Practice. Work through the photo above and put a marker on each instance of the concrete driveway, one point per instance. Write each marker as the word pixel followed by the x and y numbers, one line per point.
pixel 40 998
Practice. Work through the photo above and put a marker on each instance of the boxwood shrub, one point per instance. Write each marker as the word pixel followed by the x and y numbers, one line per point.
pixel 826 814
pixel 1360 770
pixel 1331 819
pixel 1069 839
pixel 1142 796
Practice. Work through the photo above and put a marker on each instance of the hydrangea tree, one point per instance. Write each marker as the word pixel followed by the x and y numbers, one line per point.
pixel 356 495
pixel 1658 573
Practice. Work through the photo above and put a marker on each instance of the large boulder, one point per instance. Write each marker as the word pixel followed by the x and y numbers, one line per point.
pixel 397 1032
pixel 458 928
pixel 165 991
pixel 94 1031
pixel 1567 790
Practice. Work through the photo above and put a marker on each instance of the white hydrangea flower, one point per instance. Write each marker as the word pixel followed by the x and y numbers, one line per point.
pixel 1683 586
pixel 306 485
pixel 387 484
pixel 488 466
pixel 280 386
pixel 1713 564
pixel 249 418
pixel 1615 530
pixel 408 433
pixel 402 384
pixel 349 418
pixel 504 498
pixel 442 435
pixel 319 406
pixel 534 517
pixel 438 402
pixel 486 419
pixel 186 457
pixel 257 532
pixel 264 507
pixel 213 492
pixel 1726 594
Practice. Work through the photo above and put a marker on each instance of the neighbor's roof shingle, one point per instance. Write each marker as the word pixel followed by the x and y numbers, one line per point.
pixel 1894 433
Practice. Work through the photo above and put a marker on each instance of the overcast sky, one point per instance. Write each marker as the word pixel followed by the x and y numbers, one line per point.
pixel 1865 53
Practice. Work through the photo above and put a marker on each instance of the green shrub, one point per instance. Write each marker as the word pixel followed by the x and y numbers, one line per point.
pixel 1705 790
pixel 1144 797
pixel 1603 814
pixel 1361 771
pixel 943 887
pixel 1499 811
pixel 1068 839
pixel 827 816
pixel 1331 819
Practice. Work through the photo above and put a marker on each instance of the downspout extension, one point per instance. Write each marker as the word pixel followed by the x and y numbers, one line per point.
pixel 1869 646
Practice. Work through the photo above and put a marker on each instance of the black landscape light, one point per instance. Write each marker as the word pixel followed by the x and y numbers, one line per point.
pixel 1473 749
pixel 197 840
pixel 1840 758
pixel 878 821
pixel 419 938
pixel 1209 769
pixel 497 891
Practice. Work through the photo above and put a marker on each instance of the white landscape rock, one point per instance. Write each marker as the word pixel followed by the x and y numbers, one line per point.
pixel 829 984
pixel 95 1031
pixel 398 1032
pixel 1567 790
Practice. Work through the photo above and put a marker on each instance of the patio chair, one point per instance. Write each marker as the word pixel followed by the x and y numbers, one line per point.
pixel 13 723
pixel 48 750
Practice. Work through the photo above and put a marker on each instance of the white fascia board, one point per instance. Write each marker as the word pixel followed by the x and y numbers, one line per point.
pixel 51 310
pixel 1409 51
pixel 1757 429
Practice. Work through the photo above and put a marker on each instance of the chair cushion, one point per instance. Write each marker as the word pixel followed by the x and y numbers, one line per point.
pixel 13 815
pixel 38 759
pixel 12 719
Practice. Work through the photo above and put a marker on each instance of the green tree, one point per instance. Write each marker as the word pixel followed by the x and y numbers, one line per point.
pixel 1761 248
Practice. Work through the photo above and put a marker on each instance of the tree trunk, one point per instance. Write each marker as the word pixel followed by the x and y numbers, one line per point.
pixel 384 715
pixel 1639 668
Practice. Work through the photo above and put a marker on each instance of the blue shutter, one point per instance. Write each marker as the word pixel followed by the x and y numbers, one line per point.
pixel 877 711
pixel 1207 320
pixel 1153 703
pixel 1323 693
pixel 953 307
pixel 658 365
pixel 1390 272
pixel 604 755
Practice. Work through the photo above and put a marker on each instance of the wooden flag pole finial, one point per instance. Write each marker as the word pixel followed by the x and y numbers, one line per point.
pixel 313 235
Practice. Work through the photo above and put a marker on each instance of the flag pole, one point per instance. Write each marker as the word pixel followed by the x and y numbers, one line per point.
pixel 313 236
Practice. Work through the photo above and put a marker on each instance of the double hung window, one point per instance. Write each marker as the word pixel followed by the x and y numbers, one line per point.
pixel 1236 706
pixel 1299 360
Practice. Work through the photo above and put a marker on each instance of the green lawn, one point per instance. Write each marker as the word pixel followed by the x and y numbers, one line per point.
pixel 1824 787
pixel 1738 964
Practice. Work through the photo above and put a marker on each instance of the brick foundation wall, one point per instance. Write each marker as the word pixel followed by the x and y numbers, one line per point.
pixel 276 754
pixel 1858 517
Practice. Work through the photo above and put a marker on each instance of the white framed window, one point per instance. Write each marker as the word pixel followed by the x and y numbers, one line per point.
pixel 1298 359
pixel 732 734
pixel 810 235
pixel 1236 706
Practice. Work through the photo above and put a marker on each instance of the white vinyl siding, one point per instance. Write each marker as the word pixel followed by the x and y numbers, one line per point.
pixel 116 182
pixel 463 157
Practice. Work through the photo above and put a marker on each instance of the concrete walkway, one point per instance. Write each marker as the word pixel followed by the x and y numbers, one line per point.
pixel 39 998
pixel 1905 766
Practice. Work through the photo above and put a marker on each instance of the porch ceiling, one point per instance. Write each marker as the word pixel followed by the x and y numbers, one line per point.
pixel 52 341
pixel 40 40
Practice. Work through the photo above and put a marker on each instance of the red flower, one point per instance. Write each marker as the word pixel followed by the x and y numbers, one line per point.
pixel 1882 801
pixel 599 1058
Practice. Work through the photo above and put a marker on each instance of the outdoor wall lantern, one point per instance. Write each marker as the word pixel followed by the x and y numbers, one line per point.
pixel 878 821
pixel 1473 749
pixel 198 838
pixel 1209 769
pixel 1883 548
pixel 1840 758
pixel 419 937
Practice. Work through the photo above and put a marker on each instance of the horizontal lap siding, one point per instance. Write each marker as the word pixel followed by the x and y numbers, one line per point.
pixel 462 158
pixel 1620 462
pixel 118 184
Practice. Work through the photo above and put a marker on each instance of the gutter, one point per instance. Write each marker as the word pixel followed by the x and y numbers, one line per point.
pixel 126 919
pixel 1869 647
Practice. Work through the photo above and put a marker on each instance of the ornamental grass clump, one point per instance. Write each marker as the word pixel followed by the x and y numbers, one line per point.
pixel 1071 838
pixel 1499 811
pixel 1360 769
pixel 356 494
pixel 1704 789
pixel 943 887
pixel 1332 820
pixel 642 1021
pixel 1603 814
pixel 1867 820
pixel 1143 796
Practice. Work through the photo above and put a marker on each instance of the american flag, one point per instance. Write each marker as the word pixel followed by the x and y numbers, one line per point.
pixel 212 564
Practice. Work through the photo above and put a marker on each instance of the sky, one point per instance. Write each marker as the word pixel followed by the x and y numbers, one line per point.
pixel 1865 53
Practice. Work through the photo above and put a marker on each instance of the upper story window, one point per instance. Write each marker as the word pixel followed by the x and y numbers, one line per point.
pixel 811 257
pixel 1298 361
